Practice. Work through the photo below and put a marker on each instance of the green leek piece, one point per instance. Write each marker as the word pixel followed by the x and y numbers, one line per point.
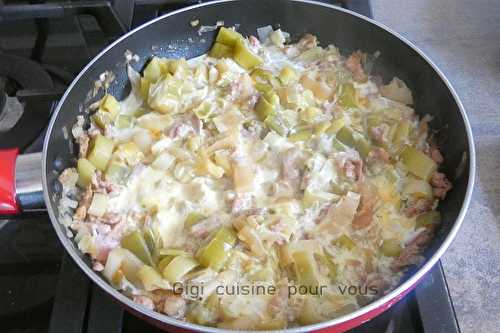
pixel 301 136
pixel 151 279
pixel 100 151
pixel 228 36
pixel 220 50
pixel 216 252
pixel 153 71
pixel 154 242
pixel 363 146
pixel 178 267
pixel 402 132
pixel 123 121
pixel 272 97
pixel 305 268
pixel 173 252
pixel 201 315
pixel 345 242
pixel 335 126
pixel 373 120
pixel 321 128
pixel 244 56
pixel 135 243
pixel 309 313
pixel 262 75
pixel 116 172
pixel 310 114
pixel 193 218
pixel 264 108
pixel 263 87
pixel 418 163
pixel 311 54
pixel 347 97
pixel 164 262
pixel 98 205
pixel 428 219
pixel 274 123
pixel 176 65
pixel 327 261
pixel 345 135
pixel 144 89
pixel 102 118
pixel 288 75
pixel 391 248
pixel 109 104
pixel 204 110
pixel 86 171
pixel 332 267
pixel 417 188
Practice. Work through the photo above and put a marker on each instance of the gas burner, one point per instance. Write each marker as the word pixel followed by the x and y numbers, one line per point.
pixel 27 95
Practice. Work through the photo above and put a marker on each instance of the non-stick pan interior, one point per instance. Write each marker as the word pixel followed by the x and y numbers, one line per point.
pixel 173 36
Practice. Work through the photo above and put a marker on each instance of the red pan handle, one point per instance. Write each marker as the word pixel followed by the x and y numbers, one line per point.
pixel 20 182
pixel 8 202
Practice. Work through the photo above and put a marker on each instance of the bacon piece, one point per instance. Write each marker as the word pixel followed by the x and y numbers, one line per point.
pixel 377 134
pixel 418 207
pixel 144 301
pixel 83 205
pixel 379 154
pixel 175 306
pixel 351 164
pixel 364 216
pixel 435 154
pixel 441 185
pixel 353 63
pixel 307 42
pixel 410 255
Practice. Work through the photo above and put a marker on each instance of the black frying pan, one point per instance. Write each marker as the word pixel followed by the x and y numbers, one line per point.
pixel 347 30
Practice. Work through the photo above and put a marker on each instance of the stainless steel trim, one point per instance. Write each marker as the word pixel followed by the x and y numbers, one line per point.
pixel 29 190
pixel 370 307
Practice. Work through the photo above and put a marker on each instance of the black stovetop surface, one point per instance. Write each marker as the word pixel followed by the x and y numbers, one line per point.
pixel 42 289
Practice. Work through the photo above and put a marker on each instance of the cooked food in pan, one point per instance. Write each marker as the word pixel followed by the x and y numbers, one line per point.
pixel 261 186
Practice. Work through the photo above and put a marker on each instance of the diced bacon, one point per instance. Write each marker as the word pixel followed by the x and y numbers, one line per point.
pixel 410 255
pixel 353 63
pixel 441 185
pixel 435 154
pixel 307 42
pixel 83 144
pixel 418 207
pixel 379 154
pixel 254 41
pixel 97 266
pixel 377 134
pixel 144 301
pixel 83 205
pixel 364 216
pixel 175 306
pixel 350 164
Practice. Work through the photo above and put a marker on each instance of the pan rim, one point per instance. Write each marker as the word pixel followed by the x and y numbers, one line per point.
pixel 377 304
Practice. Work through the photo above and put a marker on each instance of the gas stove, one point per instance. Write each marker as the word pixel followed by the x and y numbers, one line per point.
pixel 43 45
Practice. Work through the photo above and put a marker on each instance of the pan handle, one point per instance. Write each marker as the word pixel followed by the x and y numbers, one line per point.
pixel 20 182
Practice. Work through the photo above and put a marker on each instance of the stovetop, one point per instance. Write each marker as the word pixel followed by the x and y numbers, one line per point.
pixel 42 289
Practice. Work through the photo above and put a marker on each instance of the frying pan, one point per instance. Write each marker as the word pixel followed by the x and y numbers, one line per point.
pixel 21 182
